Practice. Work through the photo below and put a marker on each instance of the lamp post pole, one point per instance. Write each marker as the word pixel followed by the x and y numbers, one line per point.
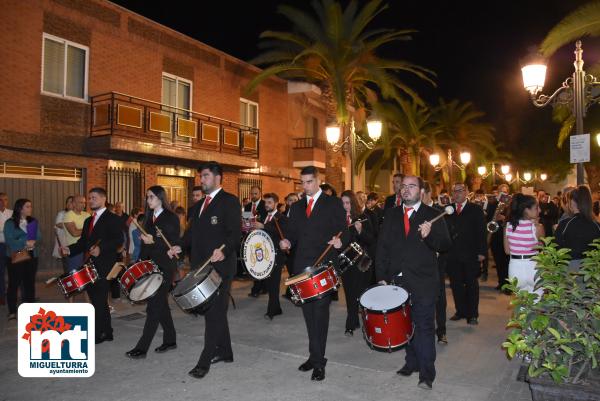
pixel 352 154
pixel 579 100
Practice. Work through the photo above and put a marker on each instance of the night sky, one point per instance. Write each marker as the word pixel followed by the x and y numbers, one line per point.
pixel 474 47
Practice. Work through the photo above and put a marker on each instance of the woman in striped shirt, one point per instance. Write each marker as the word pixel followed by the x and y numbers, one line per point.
pixel 521 236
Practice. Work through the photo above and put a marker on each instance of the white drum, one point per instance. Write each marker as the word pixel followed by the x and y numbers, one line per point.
pixel 258 254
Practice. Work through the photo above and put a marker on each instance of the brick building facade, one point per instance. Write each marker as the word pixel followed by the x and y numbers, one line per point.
pixel 95 94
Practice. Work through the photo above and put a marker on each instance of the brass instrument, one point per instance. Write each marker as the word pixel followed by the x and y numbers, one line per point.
pixel 493 225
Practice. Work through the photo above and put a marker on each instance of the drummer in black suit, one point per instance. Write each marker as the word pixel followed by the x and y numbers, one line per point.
pixel 407 255
pixel 272 283
pixel 101 236
pixel 314 223
pixel 257 207
pixel 158 215
pixel 215 221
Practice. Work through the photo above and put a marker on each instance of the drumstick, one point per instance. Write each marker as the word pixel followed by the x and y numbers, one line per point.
pixel 135 223
pixel 51 280
pixel 117 267
pixel 276 220
pixel 326 250
pixel 207 262
pixel 158 230
pixel 448 210
pixel 295 279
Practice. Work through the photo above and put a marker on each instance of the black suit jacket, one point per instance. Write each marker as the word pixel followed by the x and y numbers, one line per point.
pixel 261 210
pixel 309 236
pixel 271 229
pixel 168 223
pixel 108 230
pixel 469 235
pixel 390 202
pixel 367 238
pixel 220 223
pixel 411 255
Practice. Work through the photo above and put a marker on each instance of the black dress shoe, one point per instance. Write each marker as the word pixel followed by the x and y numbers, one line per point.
pixel 198 372
pixel 456 317
pixel 136 353
pixel 442 339
pixel 472 321
pixel 349 332
pixel 425 384
pixel 406 371
pixel 318 374
pixel 219 358
pixel 103 337
pixel 305 367
pixel 253 295
pixel 165 347
pixel 270 316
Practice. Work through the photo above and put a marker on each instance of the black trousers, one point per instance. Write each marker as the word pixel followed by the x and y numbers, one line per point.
pixel 272 284
pixel 98 293
pixel 420 351
pixel 258 286
pixel 500 257
pixel 316 317
pixel 465 287
pixel 21 275
pixel 158 312
pixel 216 331
pixel 354 282
pixel 441 303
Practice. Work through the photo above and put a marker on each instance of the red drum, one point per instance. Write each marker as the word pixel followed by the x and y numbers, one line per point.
pixel 248 220
pixel 385 312
pixel 76 281
pixel 141 280
pixel 315 284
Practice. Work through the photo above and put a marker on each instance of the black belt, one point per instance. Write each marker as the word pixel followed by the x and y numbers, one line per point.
pixel 521 256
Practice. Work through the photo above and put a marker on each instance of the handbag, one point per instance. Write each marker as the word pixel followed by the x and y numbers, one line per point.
pixel 20 256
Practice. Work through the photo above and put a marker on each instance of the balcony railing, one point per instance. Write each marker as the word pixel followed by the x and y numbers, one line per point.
pixel 306 143
pixel 147 121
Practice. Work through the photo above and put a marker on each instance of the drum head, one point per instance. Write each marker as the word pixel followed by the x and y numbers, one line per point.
pixel 383 297
pixel 258 254
pixel 146 287
pixel 190 281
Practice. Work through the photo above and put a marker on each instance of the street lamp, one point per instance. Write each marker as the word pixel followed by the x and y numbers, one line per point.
pixel 465 158
pixel 543 176
pixel 505 169
pixel 527 176
pixel 333 133
pixel 575 91
pixel 482 171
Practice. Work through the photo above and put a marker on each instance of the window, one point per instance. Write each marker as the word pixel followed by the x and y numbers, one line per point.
pixel 311 127
pixel 176 92
pixel 248 113
pixel 64 68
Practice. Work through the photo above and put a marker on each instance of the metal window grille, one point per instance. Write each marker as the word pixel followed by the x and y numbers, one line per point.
pixel 125 185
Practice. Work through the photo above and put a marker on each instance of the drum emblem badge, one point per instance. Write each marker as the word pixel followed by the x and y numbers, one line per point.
pixel 260 253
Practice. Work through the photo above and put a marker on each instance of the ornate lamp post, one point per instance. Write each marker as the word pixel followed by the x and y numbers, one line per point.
pixel 434 160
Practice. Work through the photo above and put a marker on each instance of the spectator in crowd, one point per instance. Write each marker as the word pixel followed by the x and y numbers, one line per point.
pixel 60 231
pixel 134 213
pixel 5 214
pixel 548 212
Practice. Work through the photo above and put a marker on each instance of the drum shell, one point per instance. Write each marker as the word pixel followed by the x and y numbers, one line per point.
pixel 196 299
pixel 77 281
pixel 322 281
pixel 387 330
pixel 134 274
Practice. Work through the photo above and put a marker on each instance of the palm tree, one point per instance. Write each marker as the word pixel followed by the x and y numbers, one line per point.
pixel 409 127
pixel 333 49
pixel 584 21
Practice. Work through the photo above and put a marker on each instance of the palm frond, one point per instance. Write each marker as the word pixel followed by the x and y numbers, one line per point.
pixel 582 22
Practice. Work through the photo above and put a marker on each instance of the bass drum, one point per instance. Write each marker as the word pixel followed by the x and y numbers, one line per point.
pixel 258 254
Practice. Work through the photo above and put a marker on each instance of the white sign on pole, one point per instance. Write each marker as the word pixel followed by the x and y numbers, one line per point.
pixel 580 148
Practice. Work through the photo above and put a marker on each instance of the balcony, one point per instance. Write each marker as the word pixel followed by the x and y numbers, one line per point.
pixel 142 129
pixel 309 152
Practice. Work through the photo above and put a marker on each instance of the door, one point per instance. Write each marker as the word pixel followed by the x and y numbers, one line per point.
pixel 176 188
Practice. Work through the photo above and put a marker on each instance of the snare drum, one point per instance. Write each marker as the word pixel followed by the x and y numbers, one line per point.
pixel 141 281
pixel 320 281
pixel 195 291
pixel 258 254
pixel 354 255
pixel 385 312
pixel 77 280
pixel 248 220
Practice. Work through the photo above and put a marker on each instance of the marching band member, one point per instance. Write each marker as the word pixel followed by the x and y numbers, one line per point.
pixel 257 207
pixel 354 280
pixel 497 242
pixel 314 222
pixel 406 254
pixel 268 224
pixel 216 220
pixel 155 249
pixel 395 199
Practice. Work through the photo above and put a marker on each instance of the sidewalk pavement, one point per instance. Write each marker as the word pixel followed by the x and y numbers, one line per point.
pixel 472 367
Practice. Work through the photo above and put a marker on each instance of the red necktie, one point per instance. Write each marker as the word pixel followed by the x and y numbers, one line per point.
pixel 91 228
pixel 268 218
pixel 153 219
pixel 398 200
pixel 205 205
pixel 309 207
pixel 406 220
pixel 348 220
pixel 253 208
pixel 458 208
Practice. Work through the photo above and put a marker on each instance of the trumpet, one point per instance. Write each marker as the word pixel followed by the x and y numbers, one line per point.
pixel 493 225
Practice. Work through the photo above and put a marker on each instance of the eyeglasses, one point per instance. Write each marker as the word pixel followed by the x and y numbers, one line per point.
pixel 458 190
pixel 409 186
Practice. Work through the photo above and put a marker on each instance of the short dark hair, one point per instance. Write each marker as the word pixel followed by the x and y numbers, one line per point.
pixel 99 191
pixel 427 187
pixel 372 196
pixel 398 175
pixel 212 166
pixel 309 170
pixel 271 195
pixel 328 187
pixel 197 188
pixel 291 194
